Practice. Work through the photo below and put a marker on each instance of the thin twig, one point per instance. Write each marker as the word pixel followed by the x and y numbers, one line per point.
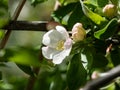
pixel 15 16
pixel 102 81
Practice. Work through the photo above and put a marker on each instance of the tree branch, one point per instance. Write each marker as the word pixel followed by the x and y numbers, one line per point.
pixel 15 16
pixel 25 25
pixel 102 81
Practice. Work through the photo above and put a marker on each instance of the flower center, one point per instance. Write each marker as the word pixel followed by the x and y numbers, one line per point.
pixel 60 45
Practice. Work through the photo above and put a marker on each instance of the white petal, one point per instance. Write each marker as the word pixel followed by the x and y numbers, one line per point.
pixel 63 31
pixel 46 38
pixel 58 58
pixel 68 43
pixel 48 52
pixel 51 38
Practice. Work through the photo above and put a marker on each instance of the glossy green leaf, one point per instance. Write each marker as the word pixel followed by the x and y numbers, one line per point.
pixel 96 18
pixel 108 31
pixel 76 74
pixel 99 61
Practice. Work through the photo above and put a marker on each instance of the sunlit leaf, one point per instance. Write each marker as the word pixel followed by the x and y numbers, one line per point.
pixel 108 31
pixel 96 18
pixel 76 75
pixel 93 2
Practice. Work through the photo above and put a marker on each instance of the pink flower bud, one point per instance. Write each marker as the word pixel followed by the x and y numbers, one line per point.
pixel 78 32
pixel 95 75
pixel 110 10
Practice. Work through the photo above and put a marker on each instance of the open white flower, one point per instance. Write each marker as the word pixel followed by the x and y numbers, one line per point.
pixel 58 44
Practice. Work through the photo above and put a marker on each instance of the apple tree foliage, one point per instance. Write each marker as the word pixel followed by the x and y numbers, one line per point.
pixel 99 51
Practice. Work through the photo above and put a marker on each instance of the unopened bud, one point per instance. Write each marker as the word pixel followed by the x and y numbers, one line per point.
pixel 95 75
pixel 110 10
pixel 78 32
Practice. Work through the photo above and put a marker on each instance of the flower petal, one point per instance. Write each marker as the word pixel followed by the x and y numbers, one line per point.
pixel 58 58
pixel 68 43
pixel 51 38
pixel 63 31
pixel 49 52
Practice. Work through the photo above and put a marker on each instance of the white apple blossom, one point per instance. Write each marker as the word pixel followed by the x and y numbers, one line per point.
pixel 58 44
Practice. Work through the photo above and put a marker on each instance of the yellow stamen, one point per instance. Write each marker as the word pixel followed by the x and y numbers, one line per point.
pixel 60 45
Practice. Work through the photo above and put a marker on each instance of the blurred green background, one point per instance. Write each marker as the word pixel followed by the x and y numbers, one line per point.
pixel 29 13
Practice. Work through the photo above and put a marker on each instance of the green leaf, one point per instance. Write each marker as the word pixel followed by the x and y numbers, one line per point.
pixel 57 83
pixel 115 56
pixel 87 56
pixel 100 46
pixel 58 16
pixel 4 15
pixel 27 69
pixel 1 34
pixel 36 2
pixel 108 31
pixel 93 2
pixel 76 74
pixel 77 15
pixel 102 3
pixel 115 2
pixel 99 61
pixel 63 2
pixel 4 4
pixel 96 18
pixel 22 55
